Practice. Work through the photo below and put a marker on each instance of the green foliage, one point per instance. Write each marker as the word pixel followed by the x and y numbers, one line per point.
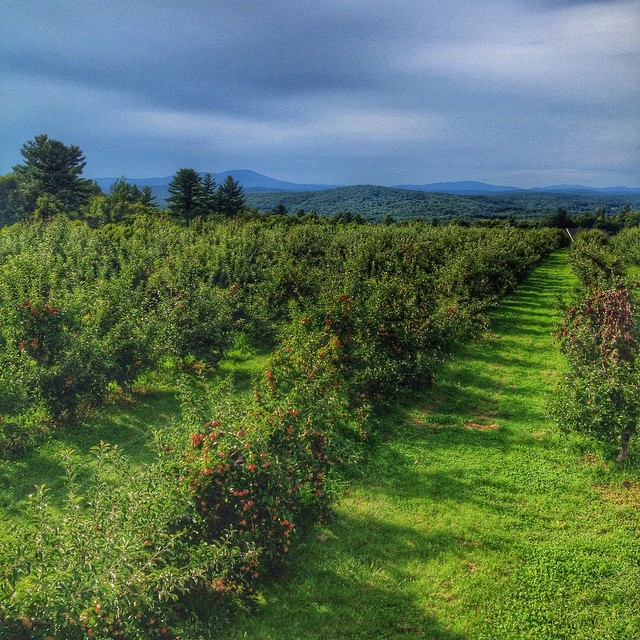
pixel 627 245
pixel 600 394
pixel 185 192
pixel 230 198
pixel 52 169
pixel 12 205
pixel 487 532
pixel 374 203
pixel 208 196
pixel 220 507
pixel 83 308
pixel 262 468
pixel 359 313
pixel 114 561
pixel 595 264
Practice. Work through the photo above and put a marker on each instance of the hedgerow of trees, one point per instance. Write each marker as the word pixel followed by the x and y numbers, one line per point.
pixel 600 393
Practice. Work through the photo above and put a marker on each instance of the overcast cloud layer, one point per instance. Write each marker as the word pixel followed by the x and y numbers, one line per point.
pixel 516 92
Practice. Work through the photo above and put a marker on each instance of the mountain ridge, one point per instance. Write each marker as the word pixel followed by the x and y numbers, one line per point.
pixel 254 182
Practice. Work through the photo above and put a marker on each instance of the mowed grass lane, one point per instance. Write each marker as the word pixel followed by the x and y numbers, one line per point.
pixel 474 518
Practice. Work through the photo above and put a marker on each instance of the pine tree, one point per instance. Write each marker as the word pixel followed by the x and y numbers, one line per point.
pixel 208 195
pixel 147 198
pixel 53 169
pixel 230 197
pixel 185 194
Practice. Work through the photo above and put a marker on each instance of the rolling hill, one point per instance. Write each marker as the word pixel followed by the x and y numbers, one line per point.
pixel 467 199
pixel 374 202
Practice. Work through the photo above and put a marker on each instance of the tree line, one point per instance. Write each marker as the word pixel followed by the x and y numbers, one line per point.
pixel 49 182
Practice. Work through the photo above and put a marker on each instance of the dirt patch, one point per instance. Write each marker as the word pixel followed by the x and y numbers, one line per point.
pixel 625 495
pixel 481 425
pixel 467 543
pixel 472 567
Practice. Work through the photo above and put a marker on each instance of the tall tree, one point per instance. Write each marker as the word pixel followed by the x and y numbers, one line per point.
pixel 208 196
pixel 230 197
pixel 53 169
pixel 147 198
pixel 185 194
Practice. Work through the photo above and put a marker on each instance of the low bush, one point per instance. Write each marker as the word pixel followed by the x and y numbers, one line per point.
pixel 114 561
pixel 595 263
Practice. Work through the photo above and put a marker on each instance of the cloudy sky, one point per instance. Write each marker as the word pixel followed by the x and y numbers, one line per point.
pixel 515 92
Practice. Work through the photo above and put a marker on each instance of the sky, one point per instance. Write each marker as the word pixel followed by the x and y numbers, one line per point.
pixel 512 92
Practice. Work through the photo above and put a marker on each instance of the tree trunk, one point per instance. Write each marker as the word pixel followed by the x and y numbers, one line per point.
pixel 624 445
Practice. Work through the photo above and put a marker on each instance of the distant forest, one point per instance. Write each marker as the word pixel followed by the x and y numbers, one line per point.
pixel 374 203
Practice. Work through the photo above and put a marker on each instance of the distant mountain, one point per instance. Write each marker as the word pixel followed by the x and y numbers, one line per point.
pixel 471 188
pixel 579 188
pixel 467 188
pixel 251 181
pixel 254 182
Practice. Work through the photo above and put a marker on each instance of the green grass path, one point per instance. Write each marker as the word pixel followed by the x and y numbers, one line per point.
pixel 497 528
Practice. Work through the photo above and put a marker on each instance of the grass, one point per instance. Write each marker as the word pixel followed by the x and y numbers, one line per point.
pixel 474 518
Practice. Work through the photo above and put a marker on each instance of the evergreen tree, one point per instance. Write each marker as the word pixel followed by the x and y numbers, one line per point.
pixel 230 197
pixel 208 195
pixel 53 169
pixel 118 206
pixel 147 198
pixel 122 191
pixel 185 194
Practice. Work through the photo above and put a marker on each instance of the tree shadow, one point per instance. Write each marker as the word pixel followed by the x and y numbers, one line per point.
pixel 366 585
pixel 126 422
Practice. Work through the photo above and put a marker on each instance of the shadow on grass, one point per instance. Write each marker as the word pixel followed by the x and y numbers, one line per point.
pixel 369 588
pixel 125 422
pixel 417 482
pixel 128 422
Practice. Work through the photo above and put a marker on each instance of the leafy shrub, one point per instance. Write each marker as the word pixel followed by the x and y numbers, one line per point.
pixel 114 562
pixel 600 394
pixel 627 245
pixel 594 262
pixel 262 468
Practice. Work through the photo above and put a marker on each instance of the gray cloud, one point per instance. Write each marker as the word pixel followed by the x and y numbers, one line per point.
pixel 349 91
